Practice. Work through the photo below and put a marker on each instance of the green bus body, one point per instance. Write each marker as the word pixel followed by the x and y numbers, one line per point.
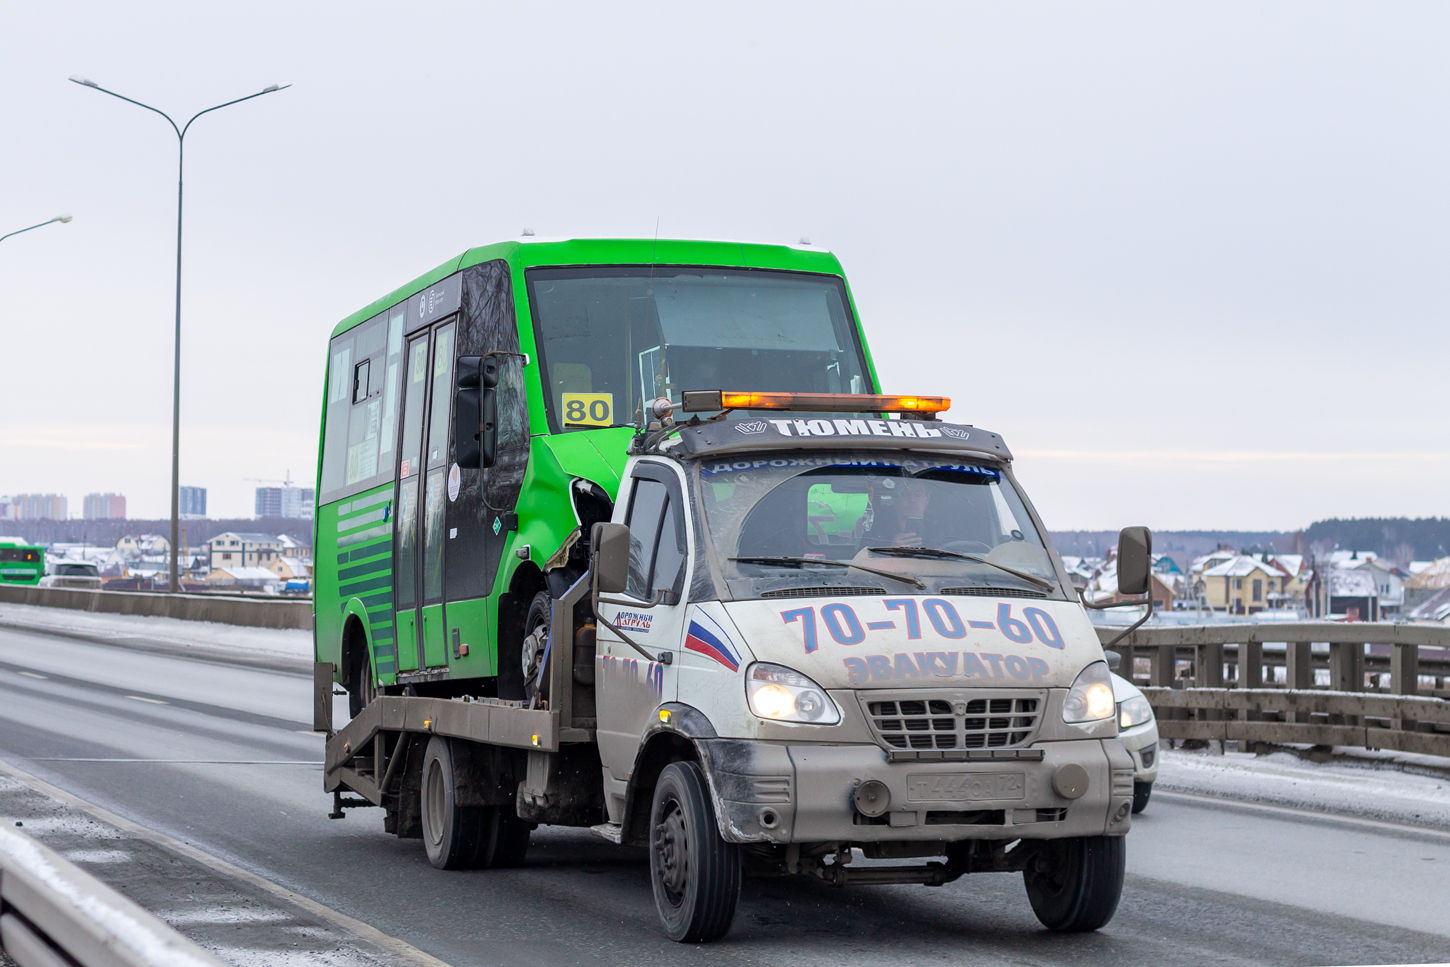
pixel 508 526
pixel 20 562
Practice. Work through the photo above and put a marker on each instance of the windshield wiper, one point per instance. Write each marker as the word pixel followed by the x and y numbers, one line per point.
pixel 825 562
pixel 953 555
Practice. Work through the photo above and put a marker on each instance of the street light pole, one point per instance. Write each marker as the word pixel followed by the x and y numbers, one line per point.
pixel 59 218
pixel 176 364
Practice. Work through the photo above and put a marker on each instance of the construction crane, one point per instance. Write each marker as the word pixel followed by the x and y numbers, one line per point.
pixel 286 482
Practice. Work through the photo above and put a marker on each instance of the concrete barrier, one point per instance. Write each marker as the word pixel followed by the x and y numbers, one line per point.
pixel 221 608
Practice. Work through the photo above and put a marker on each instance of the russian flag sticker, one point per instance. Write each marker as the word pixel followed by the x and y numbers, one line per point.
pixel 708 638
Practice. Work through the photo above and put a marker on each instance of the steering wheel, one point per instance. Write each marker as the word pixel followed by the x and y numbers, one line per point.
pixel 967 547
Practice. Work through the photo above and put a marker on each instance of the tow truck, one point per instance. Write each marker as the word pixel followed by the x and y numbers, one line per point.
pixel 793 633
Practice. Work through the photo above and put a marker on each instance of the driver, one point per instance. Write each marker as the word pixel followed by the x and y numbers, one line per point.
pixel 898 507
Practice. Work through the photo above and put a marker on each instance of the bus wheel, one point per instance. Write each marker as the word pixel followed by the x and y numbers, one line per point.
pixel 362 687
pixel 506 839
pixel 536 632
pixel 1074 884
pixel 695 873
pixel 454 835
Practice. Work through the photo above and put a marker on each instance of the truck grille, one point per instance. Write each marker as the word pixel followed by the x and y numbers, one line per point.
pixel 822 592
pixel 954 719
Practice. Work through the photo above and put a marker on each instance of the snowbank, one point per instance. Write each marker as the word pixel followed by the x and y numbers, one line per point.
pixel 1362 786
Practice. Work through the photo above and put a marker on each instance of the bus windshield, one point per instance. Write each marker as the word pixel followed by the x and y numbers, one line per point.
pixel 782 524
pixel 612 339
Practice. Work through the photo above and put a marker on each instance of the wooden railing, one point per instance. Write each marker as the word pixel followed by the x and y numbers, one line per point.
pixel 1223 682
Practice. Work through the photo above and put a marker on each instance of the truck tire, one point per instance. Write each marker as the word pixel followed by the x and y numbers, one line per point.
pixel 1074 884
pixel 453 835
pixel 695 873
pixel 506 839
pixel 1141 792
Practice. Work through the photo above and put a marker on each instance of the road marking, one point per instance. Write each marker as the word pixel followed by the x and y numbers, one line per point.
pixel 215 762
pixel 1288 812
pixel 153 701
pixel 44 678
pixel 357 928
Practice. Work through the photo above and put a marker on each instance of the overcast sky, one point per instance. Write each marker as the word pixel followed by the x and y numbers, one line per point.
pixel 1189 259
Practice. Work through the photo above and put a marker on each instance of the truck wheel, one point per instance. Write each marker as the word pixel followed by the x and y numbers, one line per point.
pixel 362 687
pixel 506 839
pixel 454 835
pixel 1141 792
pixel 695 873
pixel 1074 884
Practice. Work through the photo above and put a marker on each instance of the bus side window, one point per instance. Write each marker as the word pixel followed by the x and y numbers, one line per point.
pixel 357 450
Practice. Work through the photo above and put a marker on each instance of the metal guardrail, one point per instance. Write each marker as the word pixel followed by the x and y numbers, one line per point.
pixel 53 914
pixel 1194 696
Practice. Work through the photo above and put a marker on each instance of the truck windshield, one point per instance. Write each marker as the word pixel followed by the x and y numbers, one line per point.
pixel 612 337
pixel 780 525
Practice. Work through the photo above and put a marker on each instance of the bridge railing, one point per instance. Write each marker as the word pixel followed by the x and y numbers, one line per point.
pixel 53 914
pixel 1374 685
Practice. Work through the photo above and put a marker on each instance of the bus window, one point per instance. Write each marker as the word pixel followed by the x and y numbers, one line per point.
pixel 417 381
pixel 442 397
pixel 611 337
pixel 433 538
pixel 361 408
pixel 413 406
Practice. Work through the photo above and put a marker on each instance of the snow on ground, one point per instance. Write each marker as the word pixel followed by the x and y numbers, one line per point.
pixel 204 638
pixel 1356 784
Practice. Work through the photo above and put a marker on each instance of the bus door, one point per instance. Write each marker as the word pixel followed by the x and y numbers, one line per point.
pixel 422 495
pixel 435 498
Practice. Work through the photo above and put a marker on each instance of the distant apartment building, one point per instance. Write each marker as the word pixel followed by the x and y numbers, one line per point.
pixel 192 503
pixel 7 508
pixel 293 503
pixel 41 507
pixel 104 507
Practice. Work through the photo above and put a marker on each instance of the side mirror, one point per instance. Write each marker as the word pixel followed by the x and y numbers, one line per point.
pixel 1135 560
pixel 611 557
pixel 488 412
pixel 1114 659
pixel 466 417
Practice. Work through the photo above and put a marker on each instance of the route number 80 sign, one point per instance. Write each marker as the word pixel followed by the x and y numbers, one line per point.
pixel 588 409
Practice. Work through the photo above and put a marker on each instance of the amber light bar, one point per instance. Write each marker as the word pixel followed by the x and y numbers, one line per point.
pixel 709 401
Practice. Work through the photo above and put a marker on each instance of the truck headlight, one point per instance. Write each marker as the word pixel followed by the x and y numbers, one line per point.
pixel 1135 711
pixel 1091 696
pixel 781 695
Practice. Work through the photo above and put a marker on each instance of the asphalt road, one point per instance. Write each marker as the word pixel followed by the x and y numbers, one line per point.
pixel 227 765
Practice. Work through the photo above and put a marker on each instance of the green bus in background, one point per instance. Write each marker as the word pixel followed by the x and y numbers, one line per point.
pixel 20 561
pixel 437 553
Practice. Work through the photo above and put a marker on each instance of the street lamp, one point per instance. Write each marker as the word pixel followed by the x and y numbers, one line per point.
pixel 176 366
pixel 59 218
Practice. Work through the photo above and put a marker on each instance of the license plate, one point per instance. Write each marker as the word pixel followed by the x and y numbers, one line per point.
pixel 965 786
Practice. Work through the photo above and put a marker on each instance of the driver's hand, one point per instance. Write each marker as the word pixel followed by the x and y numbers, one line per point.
pixel 907 539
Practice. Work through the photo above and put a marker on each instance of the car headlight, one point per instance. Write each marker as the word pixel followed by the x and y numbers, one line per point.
pixel 1135 711
pixel 1091 696
pixel 782 695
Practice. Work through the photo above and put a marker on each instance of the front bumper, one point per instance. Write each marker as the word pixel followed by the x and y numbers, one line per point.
pixel 778 792
pixel 1142 744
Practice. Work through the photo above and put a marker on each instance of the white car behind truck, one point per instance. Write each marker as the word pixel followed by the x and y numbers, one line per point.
pixel 810 644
